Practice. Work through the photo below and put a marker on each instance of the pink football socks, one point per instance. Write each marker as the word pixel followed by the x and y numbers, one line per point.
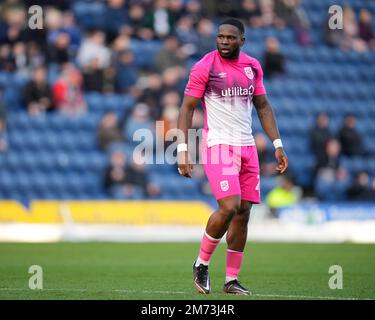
pixel 208 246
pixel 234 261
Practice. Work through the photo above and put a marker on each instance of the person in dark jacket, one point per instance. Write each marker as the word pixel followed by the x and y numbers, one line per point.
pixel 274 60
pixel 350 138
pixel 319 135
pixel 37 94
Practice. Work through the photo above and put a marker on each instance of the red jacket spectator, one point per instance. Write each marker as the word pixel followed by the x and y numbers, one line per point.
pixel 67 92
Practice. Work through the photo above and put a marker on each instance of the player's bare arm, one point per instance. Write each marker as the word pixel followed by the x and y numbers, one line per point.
pixel 269 125
pixel 184 124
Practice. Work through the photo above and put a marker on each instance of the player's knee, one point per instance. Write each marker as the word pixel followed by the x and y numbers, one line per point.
pixel 229 209
pixel 243 215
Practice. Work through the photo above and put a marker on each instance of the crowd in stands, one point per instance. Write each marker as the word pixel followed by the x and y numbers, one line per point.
pixel 70 57
pixel 329 148
pixel 358 33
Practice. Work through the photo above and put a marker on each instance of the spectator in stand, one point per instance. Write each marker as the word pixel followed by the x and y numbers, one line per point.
pixel 117 179
pixel 109 80
pixel 152 85
pixel 69 26
pixel 209 8
pixel 7 60
pixel 350 138
pixel 20 58
pixel 64 37
pixel 250 13
pixel 58 39
pixel 93 77
pixel 115 17
pixel 267 13
pixel 206 37
pixel 284 195
pixel 265 154
pixel 330 179
pixel 351 39
pixel 285 12
pixel 371 192
pixel 139 119
pixel 3 132
pixel 159 19
pixel 274 60
pixel 194 10
pixel 26 57
pixel 332 37
pixel 94 48
pixel 127 73
pixel 14 14
pixel 187 35
pixel 176 11
pixel 228 8
pixel 35 56
pixel 172 79
pixel 37 94
pixel 330 160
pixel 58 48
pixel 137 25
pixel 169 114
pixel 301 25
pixel 366 32
pixel 319 136
pixel 331 185
pixel 108 131
pixel 67 91
pixel 170 55
pixel 120 44
pixel 138 177
pixel 170 107
pixel 359 190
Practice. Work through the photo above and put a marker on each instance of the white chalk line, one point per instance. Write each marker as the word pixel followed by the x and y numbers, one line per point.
pixel 181 292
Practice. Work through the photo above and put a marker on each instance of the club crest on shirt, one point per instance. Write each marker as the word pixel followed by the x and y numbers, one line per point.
pixel 249 72
pixel 224 185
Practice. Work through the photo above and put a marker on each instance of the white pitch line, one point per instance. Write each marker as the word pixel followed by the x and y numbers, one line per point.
pixel 182 292
pixel 150 291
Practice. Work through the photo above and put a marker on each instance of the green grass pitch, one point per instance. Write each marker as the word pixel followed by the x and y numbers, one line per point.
pixel 163 271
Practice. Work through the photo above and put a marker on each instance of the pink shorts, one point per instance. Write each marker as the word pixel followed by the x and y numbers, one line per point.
pixel 232 170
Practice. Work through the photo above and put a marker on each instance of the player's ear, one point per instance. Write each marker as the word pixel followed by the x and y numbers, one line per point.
pixel 242 40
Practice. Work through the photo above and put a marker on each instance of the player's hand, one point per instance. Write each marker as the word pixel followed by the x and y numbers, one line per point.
pixel 282 160
pixel 185 168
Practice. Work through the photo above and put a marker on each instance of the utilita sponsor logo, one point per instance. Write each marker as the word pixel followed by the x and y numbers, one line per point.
pixel 238 91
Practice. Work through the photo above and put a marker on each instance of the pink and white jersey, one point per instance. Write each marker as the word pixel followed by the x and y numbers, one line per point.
pixel 227 87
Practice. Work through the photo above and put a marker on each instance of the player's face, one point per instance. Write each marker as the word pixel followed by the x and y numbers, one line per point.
pixel 229 41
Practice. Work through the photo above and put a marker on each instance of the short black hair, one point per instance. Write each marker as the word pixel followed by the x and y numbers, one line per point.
pixel 234 22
